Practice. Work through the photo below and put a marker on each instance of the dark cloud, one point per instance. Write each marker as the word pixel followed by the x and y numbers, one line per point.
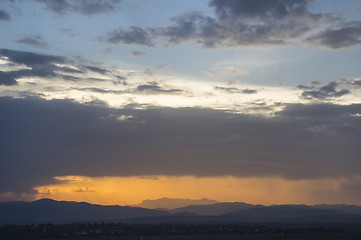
pixel 249 91
pixel 185 28
pixel 86 7
pixel 8 78
pixel 41 139
pixel 30 59
pixel 4 16
pixel 261 9
pixel 242 23
pixel 236 24
pixel 154 88
pixel 236 90
pixel 356 82
pixel 97 69
pixel 100 90
pixel 303 87
pixel 133 35
pixel 323 92
pixel 35 41
pixel 39 65
pixel 347 35
pixel 70 78
pixel 227 89
pixel 139 53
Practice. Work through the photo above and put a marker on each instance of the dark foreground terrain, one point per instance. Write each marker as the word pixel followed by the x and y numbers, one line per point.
pixel 112 231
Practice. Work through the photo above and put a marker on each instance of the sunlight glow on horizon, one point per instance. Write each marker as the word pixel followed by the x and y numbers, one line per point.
pixel 132 190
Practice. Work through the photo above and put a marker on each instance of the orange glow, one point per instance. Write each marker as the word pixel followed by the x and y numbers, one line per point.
pixel 132 190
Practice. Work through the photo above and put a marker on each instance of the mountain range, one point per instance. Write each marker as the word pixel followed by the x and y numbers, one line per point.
pixel 171 203
pixel 47 210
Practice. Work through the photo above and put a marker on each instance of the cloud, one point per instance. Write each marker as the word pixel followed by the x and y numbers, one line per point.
pixel 139 53
pixel 356 82
pixel 236 24
pixel 4 16
pixel 249 91
pixel 86 7
pixel 97 69
pixel 132 35
pixel 236 90
pixel 154 88
pixel 323 92
pixel 35 41
pixel 349 34
pixel 8 78
pixel 242 23
pixel 247 24
pixel 30 59
pixel 41 139
pixel 185 28
pixel 263 9
pixel 38 65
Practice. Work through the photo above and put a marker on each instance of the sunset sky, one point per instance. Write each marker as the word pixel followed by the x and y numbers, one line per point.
pixel 117 101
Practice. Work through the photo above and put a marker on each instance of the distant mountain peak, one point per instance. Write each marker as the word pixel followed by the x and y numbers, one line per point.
pixel 45 200
pixel 172 203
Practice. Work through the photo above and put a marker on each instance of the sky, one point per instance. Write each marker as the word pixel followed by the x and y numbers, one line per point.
pixel 118 101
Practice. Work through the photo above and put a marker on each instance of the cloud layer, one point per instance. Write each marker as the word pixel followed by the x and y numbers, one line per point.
pixel 59 137
pixel 248 23
pixel 86 7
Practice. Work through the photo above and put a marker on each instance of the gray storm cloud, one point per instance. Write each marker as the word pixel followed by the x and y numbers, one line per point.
pixel 41 139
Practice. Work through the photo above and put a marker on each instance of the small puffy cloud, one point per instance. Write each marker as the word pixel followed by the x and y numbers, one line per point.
pixel 349 34
pixel 97 69
pixel 132 35
pixel 86 7
pixel 323 92
pixel 139 53
pixel 154 88
pixel 4 16
pixel 249 91
pixel 261 9
pixel 236 90
pixel 34 41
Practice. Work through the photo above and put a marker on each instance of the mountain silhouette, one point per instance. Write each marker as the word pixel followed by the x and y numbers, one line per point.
pixel 171 203
pixel 213 209
pixel 51 211
pixel 47 210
